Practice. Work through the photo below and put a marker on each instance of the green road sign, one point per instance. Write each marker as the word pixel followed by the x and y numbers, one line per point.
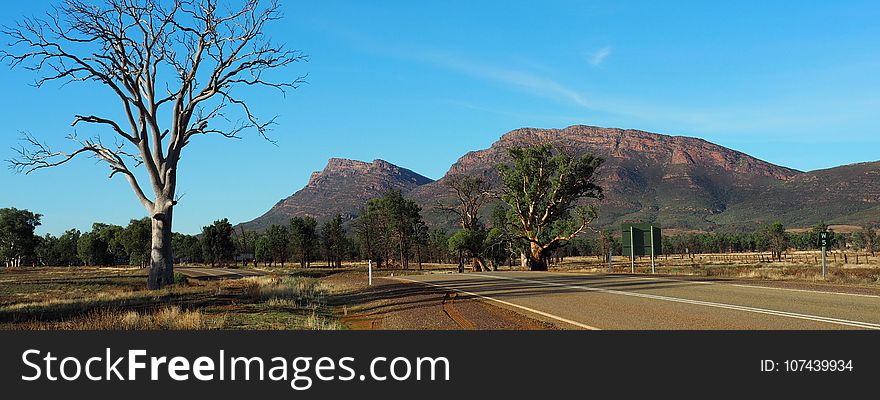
pixel 825 239
pixel 638 239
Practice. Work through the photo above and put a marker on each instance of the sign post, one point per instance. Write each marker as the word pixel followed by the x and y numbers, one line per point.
pixel 824 242
pixel 370 271
pixel 642 239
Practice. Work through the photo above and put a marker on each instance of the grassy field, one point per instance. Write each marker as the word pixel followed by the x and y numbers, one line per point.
pixel 846 268
pixel 116 298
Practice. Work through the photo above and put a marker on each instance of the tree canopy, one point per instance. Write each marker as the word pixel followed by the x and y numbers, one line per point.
pixel 17 239
pixel 218 246
pixel 542 188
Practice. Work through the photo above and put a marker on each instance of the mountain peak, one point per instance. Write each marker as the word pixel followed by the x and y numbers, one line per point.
pixel 342 187
pixel 345 168
pixel 636 144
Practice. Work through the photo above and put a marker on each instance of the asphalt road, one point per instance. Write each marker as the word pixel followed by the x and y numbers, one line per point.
pixel 216 273
pixel 599 301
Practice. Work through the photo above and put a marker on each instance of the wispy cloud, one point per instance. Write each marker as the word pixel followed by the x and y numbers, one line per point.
pixel 599 56
pixel 520 79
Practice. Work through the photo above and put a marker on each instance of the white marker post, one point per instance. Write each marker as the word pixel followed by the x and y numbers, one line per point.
pixel 652 249
pixel 609 259
pixel 632 251
pixel 370 271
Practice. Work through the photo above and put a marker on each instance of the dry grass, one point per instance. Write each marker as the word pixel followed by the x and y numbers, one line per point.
pixel 96 299
pixel 319 323
pixel 111 299
pixel 274 288
pixel 166 318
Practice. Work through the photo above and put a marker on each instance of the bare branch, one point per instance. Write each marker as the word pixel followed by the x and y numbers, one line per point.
pixel 34 155
pixel 181 58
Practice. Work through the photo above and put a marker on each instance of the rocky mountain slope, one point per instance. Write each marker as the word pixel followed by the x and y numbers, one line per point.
pixel 674 180
pixel 677 181
pixel 342 187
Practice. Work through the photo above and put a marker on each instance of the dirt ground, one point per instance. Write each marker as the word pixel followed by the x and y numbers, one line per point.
pixel 396 305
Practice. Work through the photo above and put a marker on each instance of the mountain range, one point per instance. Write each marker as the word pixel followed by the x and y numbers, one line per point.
pixel 679 182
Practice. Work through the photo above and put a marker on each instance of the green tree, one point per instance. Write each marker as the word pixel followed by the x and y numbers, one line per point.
pixel 100 246
pixel 373 234
pixel 186 248
pixel 17 240
pixel 398 222
pixel 273 246
pixel 110 235
pixel 218 246
pixel 867 238
pixel 59 251
pixel 541 190
pixel 64 249
pixel 333 240
pixel 497 247
pixel 469 242
pixel 88 249
pixel 247 246
pixel 776 239
pixel 438 246
pixel 44 250
pixel 136 240
pixel 304 239
pixel 390 226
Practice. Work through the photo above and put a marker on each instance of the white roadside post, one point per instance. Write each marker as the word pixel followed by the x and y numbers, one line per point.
pixel 823 262
pixel 652 249
pixel 370 271
pixel 632 251
pixel 609 259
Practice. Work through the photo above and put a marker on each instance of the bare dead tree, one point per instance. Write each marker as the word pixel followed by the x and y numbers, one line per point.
pixel 472 192
pixel 173 66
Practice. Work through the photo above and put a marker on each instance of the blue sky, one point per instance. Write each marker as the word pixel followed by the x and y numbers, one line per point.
pixel 420 83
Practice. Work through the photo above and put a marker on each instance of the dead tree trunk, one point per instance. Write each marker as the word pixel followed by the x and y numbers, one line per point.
pixel 161 258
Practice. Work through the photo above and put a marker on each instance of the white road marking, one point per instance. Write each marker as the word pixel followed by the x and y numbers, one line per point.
pixel 817 318
pixel 728 284
pixel 532 310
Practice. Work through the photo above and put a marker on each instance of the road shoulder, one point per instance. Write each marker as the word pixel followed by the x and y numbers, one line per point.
pixel 392 304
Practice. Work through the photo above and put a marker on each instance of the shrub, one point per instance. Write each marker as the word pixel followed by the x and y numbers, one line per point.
pixel 180 279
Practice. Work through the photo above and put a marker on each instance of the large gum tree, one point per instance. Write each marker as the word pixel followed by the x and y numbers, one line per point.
pixel 172 67
pixel 542 188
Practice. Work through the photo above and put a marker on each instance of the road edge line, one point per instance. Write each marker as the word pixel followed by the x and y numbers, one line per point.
pixel 507 303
